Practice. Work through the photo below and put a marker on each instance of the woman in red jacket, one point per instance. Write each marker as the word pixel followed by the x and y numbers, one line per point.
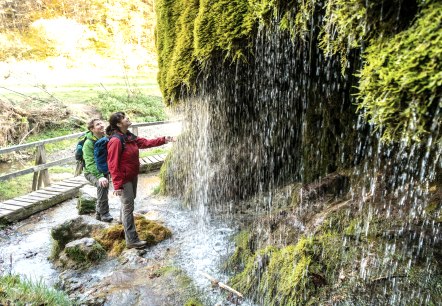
pixel 124 166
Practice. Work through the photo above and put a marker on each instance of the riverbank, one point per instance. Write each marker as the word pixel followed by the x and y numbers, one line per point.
pixel 166 274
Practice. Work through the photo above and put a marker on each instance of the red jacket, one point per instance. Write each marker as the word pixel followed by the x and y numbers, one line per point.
pixel 124 166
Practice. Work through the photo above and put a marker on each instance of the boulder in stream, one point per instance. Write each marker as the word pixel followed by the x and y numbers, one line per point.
pixel 69 231
pixel 86 200
pixel 81 253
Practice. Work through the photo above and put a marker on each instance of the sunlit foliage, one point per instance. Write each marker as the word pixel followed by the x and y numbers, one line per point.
pixel 108 25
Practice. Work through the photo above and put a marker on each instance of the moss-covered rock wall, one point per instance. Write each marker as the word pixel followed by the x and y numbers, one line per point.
pixel 288 92
pixel 284 83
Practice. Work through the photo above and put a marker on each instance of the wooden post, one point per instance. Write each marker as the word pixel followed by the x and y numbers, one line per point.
pixel 40 177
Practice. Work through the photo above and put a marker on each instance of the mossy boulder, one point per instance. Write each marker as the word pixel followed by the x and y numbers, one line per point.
pixel 112 238
pixel 86 201
pixel 68 231
pixel 82 253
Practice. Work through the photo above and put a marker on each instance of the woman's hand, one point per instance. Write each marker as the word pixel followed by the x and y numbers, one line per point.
pixel 170 139
pixel 118 192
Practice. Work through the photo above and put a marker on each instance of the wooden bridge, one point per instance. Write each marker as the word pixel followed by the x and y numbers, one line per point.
pixel 44 194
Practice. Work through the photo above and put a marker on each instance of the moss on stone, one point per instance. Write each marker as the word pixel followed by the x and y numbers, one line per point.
pixel 80 256
pixel 347 255
pixel 86 204
pixel 243 251
pixel 193 302
pixel 66 232
pixel 400 86
pixel 112 238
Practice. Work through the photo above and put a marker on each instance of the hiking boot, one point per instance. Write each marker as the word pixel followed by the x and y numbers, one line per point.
pixel 137 245
pixel 105 218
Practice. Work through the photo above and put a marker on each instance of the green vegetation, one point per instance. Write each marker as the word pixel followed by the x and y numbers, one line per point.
pixel 53 132
pixel 400 87
pixel 139 107
pixel 193 302
pixel 153 151
pixel 346 254
pixel 112 238
pixel 15 187
pixel 179 279
pixel 18 291
pixel 187 38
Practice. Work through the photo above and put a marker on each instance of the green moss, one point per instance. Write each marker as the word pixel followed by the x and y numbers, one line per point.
pixel 400 86
pixel 247 280
pixel 280 276
pixel 86 204
pixel 112 238
pixel 79 256
pixel 193 302
pixel 187 38
pixel 345 26
pixel 243 251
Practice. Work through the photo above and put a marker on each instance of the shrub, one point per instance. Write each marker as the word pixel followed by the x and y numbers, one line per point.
pixel 138 106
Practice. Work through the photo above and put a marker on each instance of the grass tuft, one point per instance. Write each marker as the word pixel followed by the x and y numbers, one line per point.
pixel 15 290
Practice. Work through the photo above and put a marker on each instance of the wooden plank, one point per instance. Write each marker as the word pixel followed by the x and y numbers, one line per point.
pixel 10 207
pixel 23 199
pixel 42 191
pixel 34 198
pixel 143 124
pixel 157 158
pixel 20 214
pixel 145 160
pixel 37 168
pixel 67 184
pixel 14 202
pixel 38 143
pixel 151 160
pixel 77 179
pixel 4 211
pixel 57 188
pixel 38 195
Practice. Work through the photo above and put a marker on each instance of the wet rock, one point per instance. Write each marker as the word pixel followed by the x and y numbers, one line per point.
pixel 85 250
pixel 86 200
pixel 30 254
pixel 71 230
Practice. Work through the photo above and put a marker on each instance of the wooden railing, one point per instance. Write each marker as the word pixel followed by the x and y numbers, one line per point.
pixel 40 170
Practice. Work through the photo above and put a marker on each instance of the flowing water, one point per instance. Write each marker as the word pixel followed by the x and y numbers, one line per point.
pixel 288 115
pixel 199 244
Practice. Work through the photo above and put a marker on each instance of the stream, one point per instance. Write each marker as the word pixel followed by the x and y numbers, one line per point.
pixel 197 245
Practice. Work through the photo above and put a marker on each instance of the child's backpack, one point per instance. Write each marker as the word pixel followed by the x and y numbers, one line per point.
pixel 100 152
pixel 79 155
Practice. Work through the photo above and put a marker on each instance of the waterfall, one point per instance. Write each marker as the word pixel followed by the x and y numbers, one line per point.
pixel 359 211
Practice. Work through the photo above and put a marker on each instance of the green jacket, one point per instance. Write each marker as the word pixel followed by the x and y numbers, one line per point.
pixel 88 156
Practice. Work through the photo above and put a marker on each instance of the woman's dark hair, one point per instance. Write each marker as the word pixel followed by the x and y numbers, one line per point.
pixel 114 119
